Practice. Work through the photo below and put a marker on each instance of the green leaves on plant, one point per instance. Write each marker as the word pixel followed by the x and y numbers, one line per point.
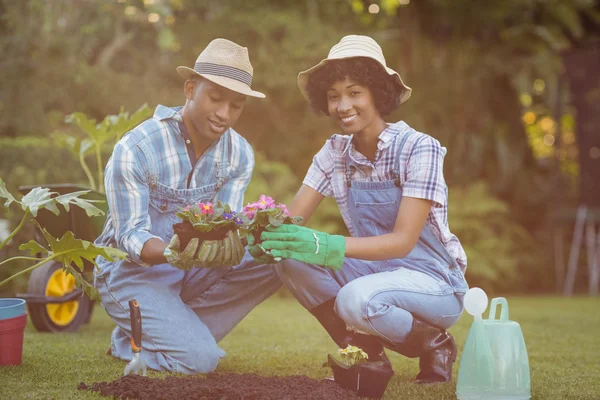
pixel 83 284
pixel 5 194
pixel 85 204
pixel 33 247
pixel 69 250
pixel 110 130
pixel 39 198
pixel 42 198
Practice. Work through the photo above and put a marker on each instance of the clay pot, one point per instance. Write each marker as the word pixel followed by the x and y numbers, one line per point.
pixel 186 232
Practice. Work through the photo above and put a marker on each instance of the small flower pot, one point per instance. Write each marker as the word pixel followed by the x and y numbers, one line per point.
pixel 13 319
pixel 186 232
pixel 367 379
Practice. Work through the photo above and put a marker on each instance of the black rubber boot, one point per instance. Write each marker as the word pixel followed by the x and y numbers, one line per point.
pixel 435 348
pixel 336 327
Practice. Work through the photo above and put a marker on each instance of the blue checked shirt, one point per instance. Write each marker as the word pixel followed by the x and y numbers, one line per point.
pixel 126 176
pixel 421 176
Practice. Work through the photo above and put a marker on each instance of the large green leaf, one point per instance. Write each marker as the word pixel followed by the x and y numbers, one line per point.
pixel 39 198
pixel 5 194
pixel 83 284
pixel 34 247
pixel 73 198
pixel 70 250
pixel 88 126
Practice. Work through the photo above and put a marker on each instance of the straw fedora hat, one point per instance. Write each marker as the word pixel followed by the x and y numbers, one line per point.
pixel 349 47
pixel 225 63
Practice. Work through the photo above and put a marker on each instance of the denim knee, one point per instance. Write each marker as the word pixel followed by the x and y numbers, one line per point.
pixel 351 305
pixel 196 359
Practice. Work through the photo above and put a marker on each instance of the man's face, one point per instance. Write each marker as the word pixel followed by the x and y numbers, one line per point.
pixel 211 109
pixel 352 106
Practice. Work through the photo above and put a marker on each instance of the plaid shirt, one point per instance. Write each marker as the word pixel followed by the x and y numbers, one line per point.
pixel 127 175
pixel 421 176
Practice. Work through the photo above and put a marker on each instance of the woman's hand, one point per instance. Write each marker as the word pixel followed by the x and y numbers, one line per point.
pixel 305 245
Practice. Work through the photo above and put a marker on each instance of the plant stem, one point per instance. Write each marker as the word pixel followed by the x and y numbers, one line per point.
pixel 44 261
pixel 21 258
pixel 87 171
pixel 17 229
pixel 100 171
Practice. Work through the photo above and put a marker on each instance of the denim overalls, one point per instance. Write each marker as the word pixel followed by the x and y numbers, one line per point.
pixel 381 297
pixel 184 314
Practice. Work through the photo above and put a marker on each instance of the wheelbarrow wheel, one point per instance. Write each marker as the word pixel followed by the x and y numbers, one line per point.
pixel 51 280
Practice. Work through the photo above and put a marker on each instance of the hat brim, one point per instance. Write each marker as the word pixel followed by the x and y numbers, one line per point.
pixel 227 83
pixel 305 75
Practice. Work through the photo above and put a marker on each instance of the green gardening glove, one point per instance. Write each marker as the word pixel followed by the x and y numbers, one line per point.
pixel 305 245
pixel 258 252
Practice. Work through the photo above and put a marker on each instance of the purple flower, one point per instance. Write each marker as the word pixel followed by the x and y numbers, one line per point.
pixel 238 220
pixel 227 216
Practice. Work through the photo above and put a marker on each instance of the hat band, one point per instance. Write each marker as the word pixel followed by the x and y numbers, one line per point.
pixel 223 70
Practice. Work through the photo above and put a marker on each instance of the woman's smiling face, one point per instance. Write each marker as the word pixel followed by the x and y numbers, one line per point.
pixel 352 106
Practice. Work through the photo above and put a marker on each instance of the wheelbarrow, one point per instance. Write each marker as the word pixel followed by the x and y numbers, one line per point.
pixel 54 303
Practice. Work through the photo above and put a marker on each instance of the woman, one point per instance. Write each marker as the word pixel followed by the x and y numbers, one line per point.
pixel 398 281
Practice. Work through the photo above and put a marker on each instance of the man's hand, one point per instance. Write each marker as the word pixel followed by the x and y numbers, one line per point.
pixel 210 254
pixel 258 253
pixel 305 245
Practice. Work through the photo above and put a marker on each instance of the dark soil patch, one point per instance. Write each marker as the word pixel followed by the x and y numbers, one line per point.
pixel 221 386
pixel 186 232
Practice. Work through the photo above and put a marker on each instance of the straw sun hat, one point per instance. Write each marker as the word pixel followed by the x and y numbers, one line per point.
pixel 349 47
pixel 225 63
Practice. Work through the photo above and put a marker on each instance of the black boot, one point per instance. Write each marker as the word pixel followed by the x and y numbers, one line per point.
pixel 336 327
pixel 435 348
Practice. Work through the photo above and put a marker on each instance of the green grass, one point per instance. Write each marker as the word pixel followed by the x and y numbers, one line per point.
pixel 280 338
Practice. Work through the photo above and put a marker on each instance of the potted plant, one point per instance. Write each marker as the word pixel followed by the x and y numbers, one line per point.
pixel 206 221
pixel 265 211
pixel 354 372
pixel 66 250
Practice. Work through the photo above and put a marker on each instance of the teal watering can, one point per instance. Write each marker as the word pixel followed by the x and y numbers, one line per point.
pixel 494 364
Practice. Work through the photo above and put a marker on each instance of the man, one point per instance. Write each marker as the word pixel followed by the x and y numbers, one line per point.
pixel 181 156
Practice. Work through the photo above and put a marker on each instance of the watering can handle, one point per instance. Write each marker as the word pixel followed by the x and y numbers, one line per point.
pixel 503 312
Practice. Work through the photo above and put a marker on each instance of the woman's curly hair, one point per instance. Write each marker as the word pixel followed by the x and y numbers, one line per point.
pixel 385 88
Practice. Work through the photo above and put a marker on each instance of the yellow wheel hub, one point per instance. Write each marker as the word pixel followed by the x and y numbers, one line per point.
pixel 59 285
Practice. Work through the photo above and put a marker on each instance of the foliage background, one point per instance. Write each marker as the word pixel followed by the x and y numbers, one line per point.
pixel 489 82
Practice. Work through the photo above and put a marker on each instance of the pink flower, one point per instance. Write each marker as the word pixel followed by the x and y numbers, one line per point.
pixel 249 210
pixel 284 209
pixel 206 208
pixel 265 202
pixel 187 208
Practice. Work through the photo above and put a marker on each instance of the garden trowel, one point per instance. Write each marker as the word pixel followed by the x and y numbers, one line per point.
pixel 136 365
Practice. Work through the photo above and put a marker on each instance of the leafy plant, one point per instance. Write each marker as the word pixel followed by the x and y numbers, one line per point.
pixel 204 217
pixel 352 355
pixel 68 250
pixel 264 212
pixel 110 130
